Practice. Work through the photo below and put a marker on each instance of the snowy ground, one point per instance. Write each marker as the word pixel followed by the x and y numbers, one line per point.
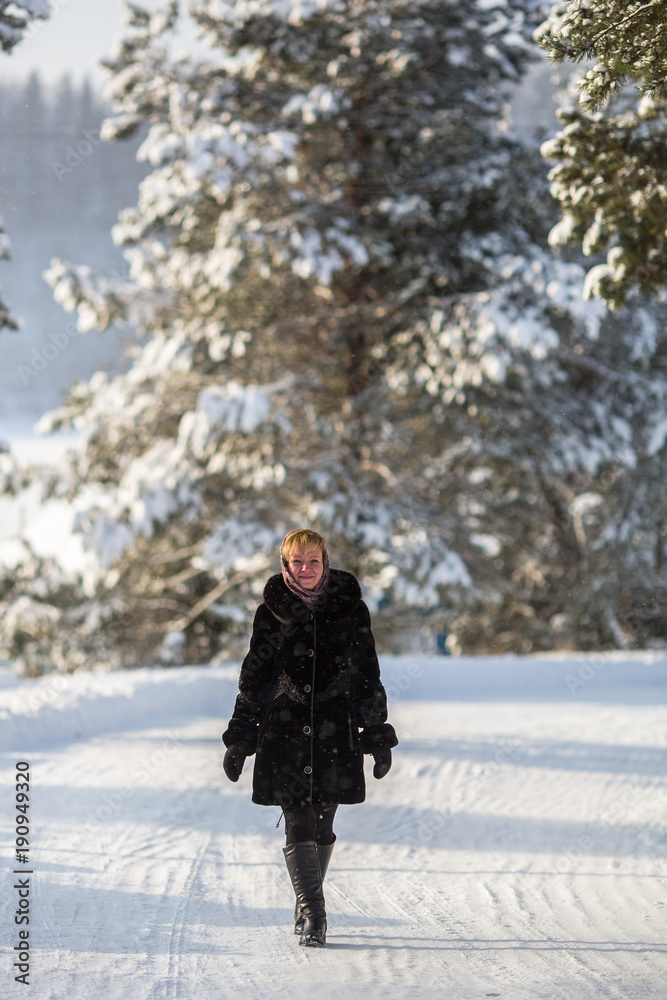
pixel 516 849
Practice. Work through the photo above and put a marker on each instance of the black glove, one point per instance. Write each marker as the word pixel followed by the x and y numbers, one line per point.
pixel 233 763
pixel 382 757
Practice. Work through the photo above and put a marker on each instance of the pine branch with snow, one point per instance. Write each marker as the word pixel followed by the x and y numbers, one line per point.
pixel 17 17
pixel 609 175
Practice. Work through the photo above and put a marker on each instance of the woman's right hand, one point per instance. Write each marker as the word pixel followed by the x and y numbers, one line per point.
pixel 233 763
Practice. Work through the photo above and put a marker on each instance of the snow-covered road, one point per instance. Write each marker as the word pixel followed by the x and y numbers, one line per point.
pixel 516 849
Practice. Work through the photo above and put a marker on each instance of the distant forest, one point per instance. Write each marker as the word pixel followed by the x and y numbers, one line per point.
pixel 60 191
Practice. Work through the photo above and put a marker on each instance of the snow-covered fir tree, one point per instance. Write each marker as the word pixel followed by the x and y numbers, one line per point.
pixel 610 175
pixel 349 318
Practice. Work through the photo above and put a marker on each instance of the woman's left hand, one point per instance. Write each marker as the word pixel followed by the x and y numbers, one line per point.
pixel 382 757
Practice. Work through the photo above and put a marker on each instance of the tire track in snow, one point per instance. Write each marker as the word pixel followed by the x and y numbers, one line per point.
pixel 178 925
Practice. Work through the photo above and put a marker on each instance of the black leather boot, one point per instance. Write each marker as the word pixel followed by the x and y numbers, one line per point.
pixel 324 852
pixel 303 865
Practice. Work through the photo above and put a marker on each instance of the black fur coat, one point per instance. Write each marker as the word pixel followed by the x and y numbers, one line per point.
pixel 308 684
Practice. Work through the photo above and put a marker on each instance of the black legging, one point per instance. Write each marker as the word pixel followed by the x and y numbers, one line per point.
pixel 310 823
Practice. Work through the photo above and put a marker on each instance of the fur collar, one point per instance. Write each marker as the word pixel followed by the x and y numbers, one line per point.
pixel 341 597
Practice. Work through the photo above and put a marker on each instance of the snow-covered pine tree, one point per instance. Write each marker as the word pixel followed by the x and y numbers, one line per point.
pixel 610 175
pixel 350 319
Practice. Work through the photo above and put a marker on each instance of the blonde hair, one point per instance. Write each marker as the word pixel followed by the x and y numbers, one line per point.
pixel 302 536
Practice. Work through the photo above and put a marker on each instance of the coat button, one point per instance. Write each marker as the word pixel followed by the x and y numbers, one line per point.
pixel 307 769
pixel 306 688
pixel 310 652
pixel 306 730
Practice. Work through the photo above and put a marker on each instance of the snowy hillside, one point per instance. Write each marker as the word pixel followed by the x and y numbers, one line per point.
pixel 516 849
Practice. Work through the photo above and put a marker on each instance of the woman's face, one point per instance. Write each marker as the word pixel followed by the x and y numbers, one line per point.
pixel 306 566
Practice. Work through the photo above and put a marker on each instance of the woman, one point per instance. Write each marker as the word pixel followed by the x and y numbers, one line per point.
pixel 310 681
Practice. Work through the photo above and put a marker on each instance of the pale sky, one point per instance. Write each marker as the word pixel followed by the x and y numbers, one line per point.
pixel 78 34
